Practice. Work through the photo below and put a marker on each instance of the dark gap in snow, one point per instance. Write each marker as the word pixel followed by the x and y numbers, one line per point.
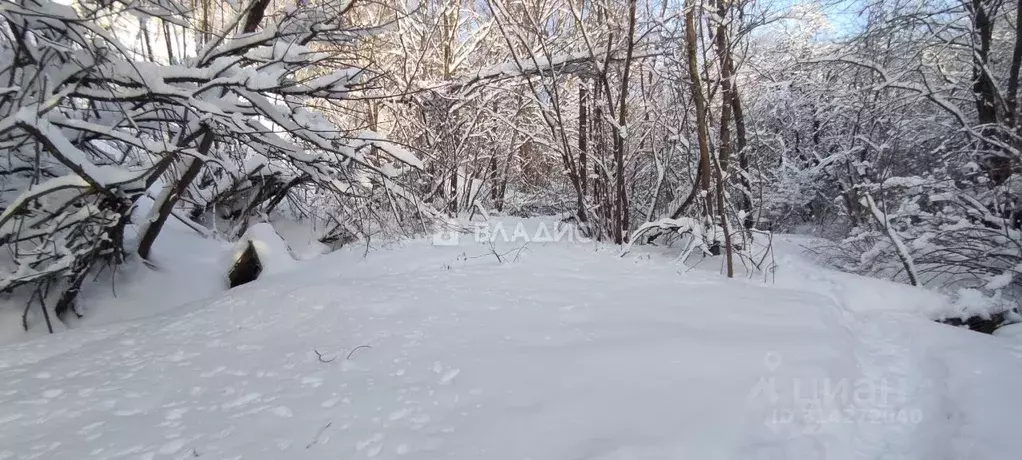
pixel 986 324
pixel 247 268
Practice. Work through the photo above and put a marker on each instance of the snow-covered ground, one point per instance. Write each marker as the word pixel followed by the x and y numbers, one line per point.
pixel 558 351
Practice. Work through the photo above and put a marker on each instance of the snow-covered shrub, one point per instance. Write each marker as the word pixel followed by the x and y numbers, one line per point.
pixel 927 230
pixel 89 123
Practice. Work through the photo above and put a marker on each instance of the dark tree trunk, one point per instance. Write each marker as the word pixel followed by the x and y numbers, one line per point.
pixel 600 183
pixel 1016 62
pixel 621 199
pixel 724 149
pixel 452 205
pixel 743 153
pixel 583 107
pixel 996 163
pixel 145 245
pixel 695 81
pixel 494 180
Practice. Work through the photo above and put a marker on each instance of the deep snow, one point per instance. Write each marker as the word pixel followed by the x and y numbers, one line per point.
pixel 566 351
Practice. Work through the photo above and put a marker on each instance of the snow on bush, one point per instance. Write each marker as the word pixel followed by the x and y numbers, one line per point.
pixel 219 136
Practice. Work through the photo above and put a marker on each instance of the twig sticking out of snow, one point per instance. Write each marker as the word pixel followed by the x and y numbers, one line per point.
pixel 500 256
pixel 319 433
pixel 321 359
pixel 356 348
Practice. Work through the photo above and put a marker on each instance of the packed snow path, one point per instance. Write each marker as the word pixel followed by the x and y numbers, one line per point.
pixel 568 352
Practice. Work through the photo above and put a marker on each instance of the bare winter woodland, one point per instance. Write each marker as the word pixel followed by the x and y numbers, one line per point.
pixel 892 131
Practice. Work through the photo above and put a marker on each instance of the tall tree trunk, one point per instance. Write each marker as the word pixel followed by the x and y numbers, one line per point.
pixel 621 201
pixel 695 82
pixel 982 86
pixel 600 179
pixel 583 107
pixel 452 204
pixel 143 25
pixel 494 179
pixel 743 153
pixel 1016 62
pixel 255 16
pixel 996 164
pixel 206 32
pixel 724 148
pixel 169 42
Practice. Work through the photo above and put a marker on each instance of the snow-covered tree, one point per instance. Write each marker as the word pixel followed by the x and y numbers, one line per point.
pixel 89 125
